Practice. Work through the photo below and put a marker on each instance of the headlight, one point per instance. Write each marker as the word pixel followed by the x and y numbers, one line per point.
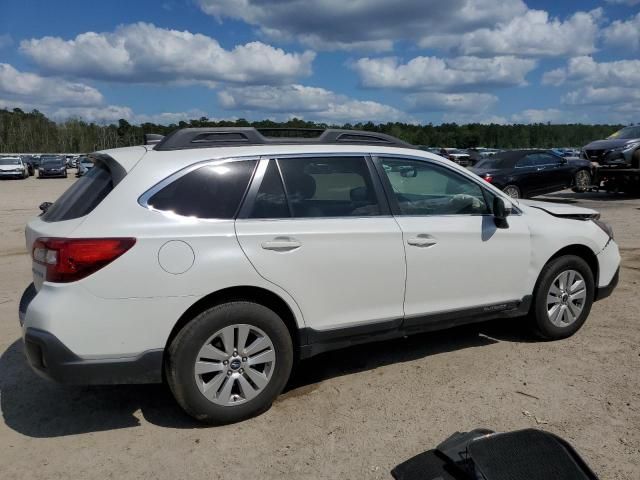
pixel 627 147
pixel 605 227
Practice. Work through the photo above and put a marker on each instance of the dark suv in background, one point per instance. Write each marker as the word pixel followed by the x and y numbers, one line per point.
pixel 52 166
pixel 621 149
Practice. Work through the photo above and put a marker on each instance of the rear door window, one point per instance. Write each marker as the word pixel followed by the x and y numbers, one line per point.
pixel 83 196
pixel 209 192
pixel 329 187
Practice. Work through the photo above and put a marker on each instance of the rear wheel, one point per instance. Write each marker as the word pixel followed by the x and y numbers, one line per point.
pixel 230 362
pixel 635 159
pixel 581 181
pixel 512 191
pixel 563 297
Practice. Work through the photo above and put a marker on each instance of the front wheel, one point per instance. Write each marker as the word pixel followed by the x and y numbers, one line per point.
pixel 563 297
pixel 230 362
pixel 581 181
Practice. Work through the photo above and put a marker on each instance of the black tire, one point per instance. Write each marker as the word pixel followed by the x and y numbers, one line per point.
pixel 185 347
pixel 512 188
pixel 635 159
pixel 580 185
pixel 539 318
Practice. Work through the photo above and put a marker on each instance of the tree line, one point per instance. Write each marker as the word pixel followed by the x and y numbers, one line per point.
pixel 33 132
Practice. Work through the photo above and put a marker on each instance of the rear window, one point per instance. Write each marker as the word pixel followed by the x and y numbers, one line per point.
pixel 212 191
pixel 83 196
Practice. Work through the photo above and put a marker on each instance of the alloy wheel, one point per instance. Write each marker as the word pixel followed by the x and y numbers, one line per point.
pixel 235 364
pixel 566 298
pixel 582 180
pixel 512 191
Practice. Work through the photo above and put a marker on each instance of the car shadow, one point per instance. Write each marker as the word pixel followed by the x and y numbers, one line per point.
pixel 38 408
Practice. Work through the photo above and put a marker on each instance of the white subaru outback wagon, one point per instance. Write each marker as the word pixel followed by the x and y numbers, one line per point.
pixel 216 258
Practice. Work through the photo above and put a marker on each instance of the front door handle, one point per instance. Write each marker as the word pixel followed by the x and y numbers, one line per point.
pixel 423 240
pixel 281 244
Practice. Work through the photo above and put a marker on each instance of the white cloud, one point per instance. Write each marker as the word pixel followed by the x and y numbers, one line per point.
pixel 607 91
pixel 31 88
pixel 533 33
pixel 534 115
pixel 611 96
pixel 433 73
pixel 362 24
pixel 624 34
pixel 451 102
pixel 624 2
pixel 142 52
pixel 312 102
pixel 585 70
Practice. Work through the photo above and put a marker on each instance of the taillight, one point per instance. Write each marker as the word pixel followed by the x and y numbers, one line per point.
pixel 488 178
pixel 70 259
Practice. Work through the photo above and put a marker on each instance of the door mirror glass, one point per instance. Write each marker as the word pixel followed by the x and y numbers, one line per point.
pixel 500 212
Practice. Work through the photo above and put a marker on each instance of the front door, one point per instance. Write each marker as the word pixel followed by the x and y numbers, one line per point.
pixel 457 259
pixel 326 236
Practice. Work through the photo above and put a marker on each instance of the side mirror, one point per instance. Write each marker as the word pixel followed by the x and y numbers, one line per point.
pixel 500 212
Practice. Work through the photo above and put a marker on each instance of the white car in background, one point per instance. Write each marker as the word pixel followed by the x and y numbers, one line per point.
pixel 218 257
pixel 13 167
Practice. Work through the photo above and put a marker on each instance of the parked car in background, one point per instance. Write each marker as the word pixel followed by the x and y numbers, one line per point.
pixel 218 257
pixel 619 150
pixel 526 173
pixel 29 161
pixel 72 161
pixel 461 157
pixel 84 165
pixel 13 167
pixel 52 166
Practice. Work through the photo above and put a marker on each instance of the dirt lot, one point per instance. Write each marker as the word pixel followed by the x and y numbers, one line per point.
pixel 352 414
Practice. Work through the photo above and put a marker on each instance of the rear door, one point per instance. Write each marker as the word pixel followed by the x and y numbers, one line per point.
pixel 319 228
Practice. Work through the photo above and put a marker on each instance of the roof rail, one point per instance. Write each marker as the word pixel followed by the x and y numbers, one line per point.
pixel 188 138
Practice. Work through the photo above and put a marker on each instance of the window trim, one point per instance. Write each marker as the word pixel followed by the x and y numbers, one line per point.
pixel 250 197
pixel 393 202
pixel 143 200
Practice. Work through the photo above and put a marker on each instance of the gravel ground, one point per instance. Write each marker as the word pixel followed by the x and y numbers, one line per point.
pixel 351 414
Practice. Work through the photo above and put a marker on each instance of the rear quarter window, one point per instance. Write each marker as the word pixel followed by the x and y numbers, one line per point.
pixel 83 196
pixel 209 192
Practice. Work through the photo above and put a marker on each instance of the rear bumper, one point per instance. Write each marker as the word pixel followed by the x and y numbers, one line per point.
pixel 50 358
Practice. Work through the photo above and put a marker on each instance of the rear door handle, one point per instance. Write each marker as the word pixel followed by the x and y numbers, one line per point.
pixel 423 240
pixel 281 244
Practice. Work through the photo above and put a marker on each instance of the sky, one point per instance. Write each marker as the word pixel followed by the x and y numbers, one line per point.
pixel 333 61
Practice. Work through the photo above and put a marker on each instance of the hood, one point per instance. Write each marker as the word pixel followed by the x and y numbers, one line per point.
pixel 561 209
pixel 9 168
pixel 610 143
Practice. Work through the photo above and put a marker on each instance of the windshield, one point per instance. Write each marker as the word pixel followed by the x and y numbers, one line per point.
pixel 9 161
pixel 626 133
pixel 52 162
